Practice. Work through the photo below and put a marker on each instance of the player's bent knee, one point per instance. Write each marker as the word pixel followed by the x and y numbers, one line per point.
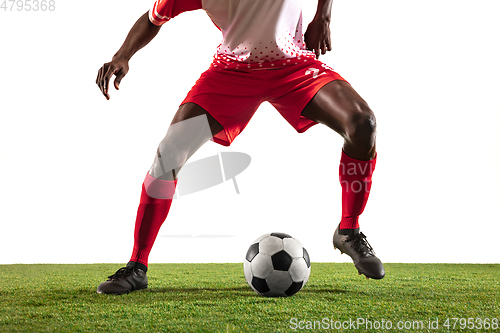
pixel 362 126
pixel 170 157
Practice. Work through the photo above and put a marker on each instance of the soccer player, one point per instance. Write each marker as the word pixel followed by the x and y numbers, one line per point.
pixel 264 56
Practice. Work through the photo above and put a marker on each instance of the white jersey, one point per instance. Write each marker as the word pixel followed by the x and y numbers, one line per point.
pixel 256 33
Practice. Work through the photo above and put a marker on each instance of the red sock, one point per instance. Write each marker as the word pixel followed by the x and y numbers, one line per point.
pixel 156 198
pixel 356 180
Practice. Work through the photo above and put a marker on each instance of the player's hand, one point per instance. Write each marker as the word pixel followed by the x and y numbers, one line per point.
pixel 117 67
pixel 317 36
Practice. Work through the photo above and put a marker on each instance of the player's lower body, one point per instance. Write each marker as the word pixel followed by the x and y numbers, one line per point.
pixel 218 108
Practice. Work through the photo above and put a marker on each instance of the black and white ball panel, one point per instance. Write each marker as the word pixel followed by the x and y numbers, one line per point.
pixel 261 237
pixel 281 260
pixel 293 247
pixel 299 271
pixel 270 245
pixel 306 258
pixel 281 235
pixel 278 282
pixel 247 269
pixel 262 265
pixel 260 285
pixel 294 288
pixel 252 251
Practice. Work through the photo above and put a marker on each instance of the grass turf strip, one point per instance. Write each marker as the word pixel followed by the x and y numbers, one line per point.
pixel 216 298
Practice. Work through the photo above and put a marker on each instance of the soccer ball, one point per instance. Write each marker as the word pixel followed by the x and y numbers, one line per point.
pixel 276 264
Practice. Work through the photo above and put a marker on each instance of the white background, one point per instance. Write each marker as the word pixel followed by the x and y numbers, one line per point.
pixel 72 163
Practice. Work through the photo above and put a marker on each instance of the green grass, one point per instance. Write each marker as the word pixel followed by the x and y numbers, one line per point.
pixel 216 298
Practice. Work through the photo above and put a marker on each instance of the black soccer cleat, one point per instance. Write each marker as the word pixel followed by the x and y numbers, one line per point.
pixel 361 253
pixel 125 280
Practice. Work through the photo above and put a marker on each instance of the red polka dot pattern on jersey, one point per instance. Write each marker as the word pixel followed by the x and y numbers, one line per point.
pixel 257 34
pixel 270 53
pixel 226 63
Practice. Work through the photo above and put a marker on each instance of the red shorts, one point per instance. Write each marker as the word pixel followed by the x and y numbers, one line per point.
pixel 232 96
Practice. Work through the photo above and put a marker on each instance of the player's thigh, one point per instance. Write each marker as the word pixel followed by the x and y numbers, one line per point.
pixel 338 106
pixel 191 110
pixel 190 128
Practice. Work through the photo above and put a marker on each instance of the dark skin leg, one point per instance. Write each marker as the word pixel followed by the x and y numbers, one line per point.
pixel 338 106
pixel 182 141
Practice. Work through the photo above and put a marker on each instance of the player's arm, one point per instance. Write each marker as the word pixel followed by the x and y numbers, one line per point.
pixel 317 36
pixel 139 36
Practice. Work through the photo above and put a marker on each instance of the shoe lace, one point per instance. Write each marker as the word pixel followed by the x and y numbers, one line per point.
pixel 122 272
pixel 361 245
